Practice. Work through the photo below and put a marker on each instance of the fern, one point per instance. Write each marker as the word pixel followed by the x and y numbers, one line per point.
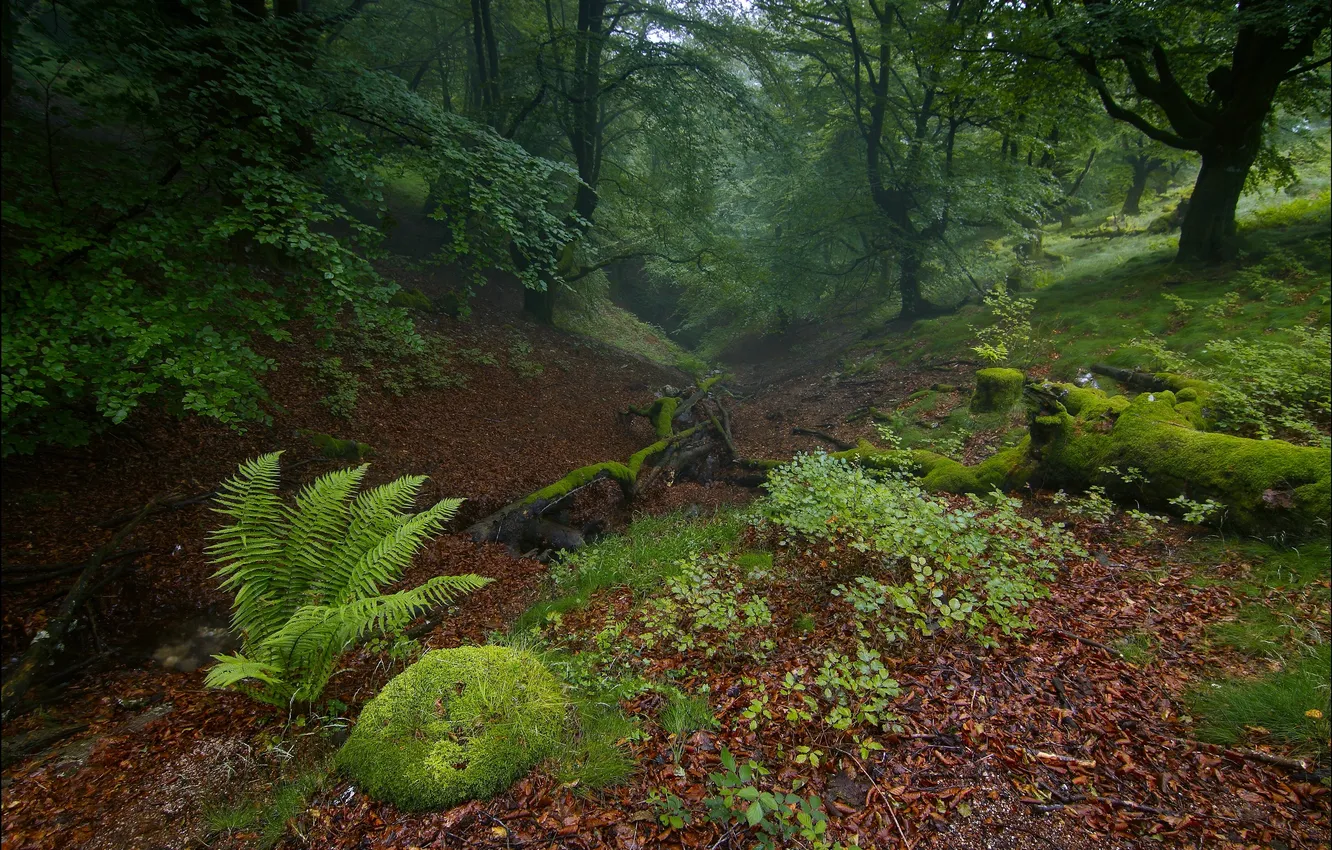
pixel 307 578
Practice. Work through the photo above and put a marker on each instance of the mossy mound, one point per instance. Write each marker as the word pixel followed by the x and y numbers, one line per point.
pixel 412 299
pixel 459 724
pixel 332 447
pixel 997 390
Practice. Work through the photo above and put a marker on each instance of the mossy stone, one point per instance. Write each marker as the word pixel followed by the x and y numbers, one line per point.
pixel 1187 394
pixel 997 390
pixel 412 298
pixel 459 724
pixel 332 447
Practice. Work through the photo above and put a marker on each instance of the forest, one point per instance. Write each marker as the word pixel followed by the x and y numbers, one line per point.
pixel 708 424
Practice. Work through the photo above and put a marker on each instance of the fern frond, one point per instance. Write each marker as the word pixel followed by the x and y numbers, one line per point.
pixel 306 579
pixel 318 531
pixel 249 551
pixel 384 561
pixel 316 635
pixel 374 514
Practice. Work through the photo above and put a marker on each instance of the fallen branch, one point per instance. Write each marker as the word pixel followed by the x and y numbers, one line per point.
pixel 1248 755
pixel 43 646
pixel 842 445
pixel 1080 639
pixel 21 746
pixel 58 570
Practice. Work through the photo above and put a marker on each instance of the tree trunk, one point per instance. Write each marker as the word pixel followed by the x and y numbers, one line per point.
pixel 1133 199
pixel 909 283
pixel 1208 232
pixel 540 303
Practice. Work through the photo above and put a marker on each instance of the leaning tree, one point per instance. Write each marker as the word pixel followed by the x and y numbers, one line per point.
pixel 1204 77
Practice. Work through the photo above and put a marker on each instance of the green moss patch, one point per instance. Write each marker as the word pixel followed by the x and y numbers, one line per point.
pixel 459 724
pixel 997 390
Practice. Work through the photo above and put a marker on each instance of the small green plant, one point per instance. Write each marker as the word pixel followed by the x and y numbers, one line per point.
pixel 804 623
pixel 341 388
pixel 594 756
pixel 683 715
pixel 704 607
pixel 306 578
pixel 1180 310
pixel 1198 513
pixel 1224 307
pixel 1010 331
pixel 774 818
pixel 1094 505
pixel 857 691
pixel 671 810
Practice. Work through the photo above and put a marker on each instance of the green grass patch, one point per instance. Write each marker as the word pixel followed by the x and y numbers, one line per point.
pixel 1137 648
pixel 1290 706
pixel 640 557
pixel 268 818
pixel 1270 567
pixel 1258 630
pixel 1106 293
pixel 597 755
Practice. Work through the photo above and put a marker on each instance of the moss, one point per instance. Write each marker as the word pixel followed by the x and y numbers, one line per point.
pixel 459 724
pixel 944 388
pixel 1006 470
pixel 332 447
pixel 581 476
pixel 1188 394
pixel 708 384
pixel 412 299
pixel 663 412
pixel 997 390
pixel 919 394
pixel 1260 482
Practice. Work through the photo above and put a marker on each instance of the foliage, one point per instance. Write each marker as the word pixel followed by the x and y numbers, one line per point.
pixel 858 690
pixel 774 819
pixel 459 724
pixel 944 567
pixel 140 272
pixel 307 578
pixel 341 388
pixel 1263 388
pixel 706 607
pixel 1010 331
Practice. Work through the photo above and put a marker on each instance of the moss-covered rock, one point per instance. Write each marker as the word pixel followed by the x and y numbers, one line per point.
pixel 459 724
pixel 997 390
pixel 332 447
pixel 412 298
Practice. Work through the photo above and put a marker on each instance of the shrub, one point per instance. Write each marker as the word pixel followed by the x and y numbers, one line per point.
pixel 941 566
pixel 307 578
pixel 1011 329
pixel 459 724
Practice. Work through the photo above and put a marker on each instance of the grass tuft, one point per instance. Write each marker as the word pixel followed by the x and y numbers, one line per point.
pixel 1290 706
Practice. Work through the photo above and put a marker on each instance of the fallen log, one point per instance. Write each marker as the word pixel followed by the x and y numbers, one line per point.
pixel 1148 382
pixel 507 525
pixel 44 645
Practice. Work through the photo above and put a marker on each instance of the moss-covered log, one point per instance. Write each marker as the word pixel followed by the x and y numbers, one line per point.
pixel 1078 436
pixel 507 524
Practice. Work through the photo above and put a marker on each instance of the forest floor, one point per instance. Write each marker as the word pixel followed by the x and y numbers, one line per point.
pixel 1075 735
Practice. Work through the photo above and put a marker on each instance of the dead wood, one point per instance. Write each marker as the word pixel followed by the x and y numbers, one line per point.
pixel 842 445
pixel 1145 381
pixel 16 747
pixel 47 641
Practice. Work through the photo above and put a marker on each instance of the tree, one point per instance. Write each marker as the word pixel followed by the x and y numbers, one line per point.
pixel 1206 79
pixel 142 271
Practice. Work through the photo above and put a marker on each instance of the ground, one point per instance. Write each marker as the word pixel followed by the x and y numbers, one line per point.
pixel 1076 735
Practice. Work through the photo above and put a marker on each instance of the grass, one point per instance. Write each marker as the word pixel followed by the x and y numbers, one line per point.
pixel 1137 648
pixel 595 757
pixel 1102 294
pixel 1258 630
pixel 638 558
pixel 596 317
pixel 1269 566
pixel 270 818
pixel 1290 706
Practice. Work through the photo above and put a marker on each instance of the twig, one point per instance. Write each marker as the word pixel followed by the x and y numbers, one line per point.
pixel 842 445
pixel 1250 755
pixel 1080 639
